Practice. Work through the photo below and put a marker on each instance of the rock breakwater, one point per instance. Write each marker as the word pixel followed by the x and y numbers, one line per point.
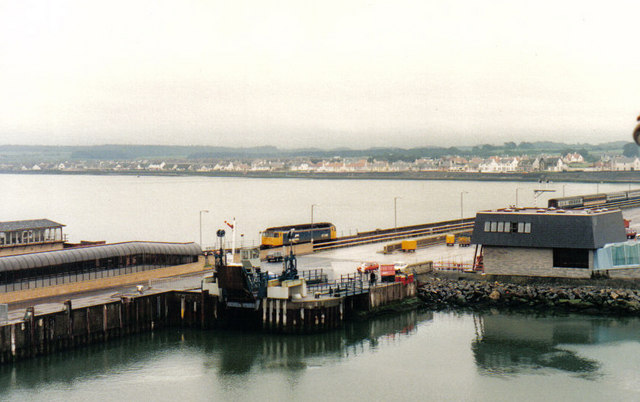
pixel 442 292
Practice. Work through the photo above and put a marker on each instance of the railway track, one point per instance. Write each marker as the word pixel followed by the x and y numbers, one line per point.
pixel 376 236
pixel 625 204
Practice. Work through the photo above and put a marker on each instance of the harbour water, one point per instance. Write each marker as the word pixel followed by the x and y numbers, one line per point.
pixel 123 208
pixel 420 355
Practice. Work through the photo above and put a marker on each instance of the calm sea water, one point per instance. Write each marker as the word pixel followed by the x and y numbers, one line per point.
pixel 414 356
pixel 123 208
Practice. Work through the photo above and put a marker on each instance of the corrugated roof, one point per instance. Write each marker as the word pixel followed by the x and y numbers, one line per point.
pixel 12 226
pixel 49 258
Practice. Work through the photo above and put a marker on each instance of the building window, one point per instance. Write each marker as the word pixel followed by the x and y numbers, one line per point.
pixel 507 227
pixel 570 258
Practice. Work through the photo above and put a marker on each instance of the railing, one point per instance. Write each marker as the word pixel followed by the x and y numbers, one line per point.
pixel 347 285
pixel 313 276
pixel 453 266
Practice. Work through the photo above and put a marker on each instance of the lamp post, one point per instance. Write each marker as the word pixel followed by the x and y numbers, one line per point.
pixel 461 205
pixel 201 211
pixel 395 212
pixel 313 205
pixel 563 186
pixel 517 189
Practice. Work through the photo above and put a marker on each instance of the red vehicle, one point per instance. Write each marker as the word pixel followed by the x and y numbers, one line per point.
pixel 368 267
pixel 631 234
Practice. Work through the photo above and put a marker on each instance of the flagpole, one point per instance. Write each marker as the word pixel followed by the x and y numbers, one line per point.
pixel 233 240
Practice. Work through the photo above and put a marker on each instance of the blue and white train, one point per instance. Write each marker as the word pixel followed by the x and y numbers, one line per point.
pixel 617 199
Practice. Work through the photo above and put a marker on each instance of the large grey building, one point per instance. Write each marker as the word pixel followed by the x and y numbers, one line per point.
pixel 545 242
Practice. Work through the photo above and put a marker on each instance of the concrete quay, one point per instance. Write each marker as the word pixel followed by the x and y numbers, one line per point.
pixel 52 327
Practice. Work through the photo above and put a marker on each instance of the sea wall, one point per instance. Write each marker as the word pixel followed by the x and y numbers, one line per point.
pixel 442 292
pixel 72 327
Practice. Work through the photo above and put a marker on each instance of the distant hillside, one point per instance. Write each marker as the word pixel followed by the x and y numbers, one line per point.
pixel 40 153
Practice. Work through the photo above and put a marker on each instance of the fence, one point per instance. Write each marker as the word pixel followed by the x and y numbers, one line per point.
pixel 313 276
pixel 453 266
pixel 347 285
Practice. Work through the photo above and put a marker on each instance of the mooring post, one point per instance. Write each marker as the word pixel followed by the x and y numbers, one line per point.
pixel 284 313
pixel 104 322
pixel 67 311
pixel 182 308
pixel 264 312
pixel 29 318
pixel 205 294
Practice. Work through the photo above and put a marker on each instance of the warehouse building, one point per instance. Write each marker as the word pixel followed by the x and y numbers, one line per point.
pixel 546 242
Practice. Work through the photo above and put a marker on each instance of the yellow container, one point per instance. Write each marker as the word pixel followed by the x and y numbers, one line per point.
pixel 464 241
pixel 450 239
pixel 409 245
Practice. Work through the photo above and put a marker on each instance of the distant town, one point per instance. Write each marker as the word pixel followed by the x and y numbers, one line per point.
pixel 494 164
pixel 509 158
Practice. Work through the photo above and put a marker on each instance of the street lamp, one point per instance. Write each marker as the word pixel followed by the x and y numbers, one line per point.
pixel 461 205
pixel 395 211
pixel 517 189
pixel 563 186
pixel 313 205
pixel 201 211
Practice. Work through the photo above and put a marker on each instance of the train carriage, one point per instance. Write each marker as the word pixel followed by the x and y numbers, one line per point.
pixel 566 202
pixel 619 196
pixel 303 233
pixel 593 200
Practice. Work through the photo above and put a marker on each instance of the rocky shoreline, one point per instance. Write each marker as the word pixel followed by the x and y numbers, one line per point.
pixel 440 292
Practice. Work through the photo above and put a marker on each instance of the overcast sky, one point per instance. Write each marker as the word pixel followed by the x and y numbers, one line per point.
pixel 297 73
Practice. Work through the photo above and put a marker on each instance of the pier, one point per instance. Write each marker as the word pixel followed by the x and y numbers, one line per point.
pixel 50 328
pixel 237 295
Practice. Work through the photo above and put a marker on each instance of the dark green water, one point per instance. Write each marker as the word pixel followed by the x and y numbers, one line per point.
pixel 412 356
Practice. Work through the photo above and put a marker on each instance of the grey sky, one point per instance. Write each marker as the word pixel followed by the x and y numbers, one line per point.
pixel 323 73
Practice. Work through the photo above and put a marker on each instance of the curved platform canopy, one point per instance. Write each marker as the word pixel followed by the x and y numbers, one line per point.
pixel 59 257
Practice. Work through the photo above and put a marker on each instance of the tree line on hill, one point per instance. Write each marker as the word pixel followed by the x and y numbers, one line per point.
pixel 391 154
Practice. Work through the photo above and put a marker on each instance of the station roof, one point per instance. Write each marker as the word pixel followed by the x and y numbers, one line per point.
pixel 549 228
pixel 12 226
pixel 78 254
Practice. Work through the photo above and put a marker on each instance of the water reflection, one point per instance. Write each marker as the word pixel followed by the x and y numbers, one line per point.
pixel 227 353
pixel 513 343
pixel 232 353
